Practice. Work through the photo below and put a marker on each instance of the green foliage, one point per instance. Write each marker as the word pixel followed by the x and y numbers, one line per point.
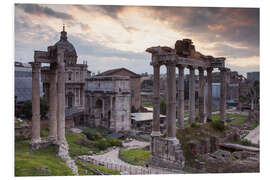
pixel 138 157
pixel 115 142
pixel 245 142
pixel 218 125
pixel 27 109
pixel 163 107
pixel 93 136
pixel 194 125
pixel 42 162
pixel 102 144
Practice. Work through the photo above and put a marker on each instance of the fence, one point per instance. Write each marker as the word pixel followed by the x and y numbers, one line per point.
pixel 125 169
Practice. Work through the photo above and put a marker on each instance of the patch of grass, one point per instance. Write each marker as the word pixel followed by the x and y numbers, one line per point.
pixel 138 157
pixel 43 162
pixel 236 119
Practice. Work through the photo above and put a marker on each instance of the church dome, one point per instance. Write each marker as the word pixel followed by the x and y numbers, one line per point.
pixel 70 52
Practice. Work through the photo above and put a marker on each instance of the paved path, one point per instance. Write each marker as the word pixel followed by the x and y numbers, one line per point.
pixel 254 135
pixel 112 157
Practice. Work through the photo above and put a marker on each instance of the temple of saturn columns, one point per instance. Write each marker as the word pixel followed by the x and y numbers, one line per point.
pixel 56 56
pixel 167 152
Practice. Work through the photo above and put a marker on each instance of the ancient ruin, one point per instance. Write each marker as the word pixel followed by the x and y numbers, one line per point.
pixel 166 152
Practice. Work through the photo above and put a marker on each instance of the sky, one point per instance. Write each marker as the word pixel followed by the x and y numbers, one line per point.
pixel 110 37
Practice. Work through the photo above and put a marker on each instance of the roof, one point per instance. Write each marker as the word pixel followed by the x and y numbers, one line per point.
pixel 114 71
pixel 145 116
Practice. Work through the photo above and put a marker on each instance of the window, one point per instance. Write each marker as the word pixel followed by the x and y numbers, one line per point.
pixel 69 76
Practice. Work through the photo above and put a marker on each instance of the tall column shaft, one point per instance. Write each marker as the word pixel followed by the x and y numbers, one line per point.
pixel 35 102
pixel 53 102
pixel 209 93
pixel 156 101
pixel 181 98
pixel 191 95
pixel 201 95
pixel 61 98
pixel 171 83
pixel 222 103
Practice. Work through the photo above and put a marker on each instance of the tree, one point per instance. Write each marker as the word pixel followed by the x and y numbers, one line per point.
pixel 163 107
pixel 27 109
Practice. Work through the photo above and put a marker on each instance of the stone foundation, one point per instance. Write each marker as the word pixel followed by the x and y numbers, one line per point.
pixel 166 153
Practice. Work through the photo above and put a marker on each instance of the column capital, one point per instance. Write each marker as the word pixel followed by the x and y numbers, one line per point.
pixel 155 64
pixel 35 65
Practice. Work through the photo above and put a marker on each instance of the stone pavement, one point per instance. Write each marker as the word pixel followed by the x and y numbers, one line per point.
pixel 254 135
pixel 111 157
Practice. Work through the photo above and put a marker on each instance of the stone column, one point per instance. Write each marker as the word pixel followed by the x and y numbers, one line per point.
pixel 181 98
pixel 191 95
pixel 111 110
pixel 201 95
pixel 53 102
pixel 209 93
pixel 61 98
pixel 35 138
pixel 156 102
pixel 171 83
pixel 222 101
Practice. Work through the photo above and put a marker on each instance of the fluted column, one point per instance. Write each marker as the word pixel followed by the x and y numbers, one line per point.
pixel 61 98
pixel 35 102
pixel 156 101
pixel 171 83
pixel 201 95
pixel 53 102
pixel 222 103
pixel 209 93
pixel 181 98
pixel 191 95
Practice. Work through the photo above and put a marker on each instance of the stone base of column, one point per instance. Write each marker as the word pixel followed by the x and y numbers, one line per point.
pixel 39 144
pixel 155 133
pixel 166 153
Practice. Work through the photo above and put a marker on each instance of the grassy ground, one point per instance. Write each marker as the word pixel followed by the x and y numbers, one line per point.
pixel 236 119
pixel 138 157
pixel 43 162
pixel 147 104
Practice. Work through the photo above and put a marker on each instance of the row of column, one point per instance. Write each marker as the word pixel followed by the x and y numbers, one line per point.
pixel 171 100
pixel 56 101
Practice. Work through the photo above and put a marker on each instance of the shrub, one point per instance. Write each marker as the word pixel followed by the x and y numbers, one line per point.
pixel 218 125
pixel 114 142
pixel 92 136
pixel 246 142
pixel 101 144
pixel 194 125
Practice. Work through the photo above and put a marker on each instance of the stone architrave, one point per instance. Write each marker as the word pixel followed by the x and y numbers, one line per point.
pixel 209 93
pixel 201 95
pixel 53 102
pixel 35 102
pixel 156 102
pixel 181 99
pixel 191 95
pixel 61 98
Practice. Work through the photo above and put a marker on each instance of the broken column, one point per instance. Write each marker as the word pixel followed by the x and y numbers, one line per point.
pixel 191 95
pixel 171 83
pixel 181 98
pixel 156 102
pixel 35 138
pixel 53 102
pixel 201 95
pixel 222 101
pixel 209 93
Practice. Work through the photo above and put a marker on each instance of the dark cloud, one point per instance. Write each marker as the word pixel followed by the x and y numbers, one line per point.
pixel 40 10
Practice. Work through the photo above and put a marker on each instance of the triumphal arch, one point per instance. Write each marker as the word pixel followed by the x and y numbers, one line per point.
pixel 167 152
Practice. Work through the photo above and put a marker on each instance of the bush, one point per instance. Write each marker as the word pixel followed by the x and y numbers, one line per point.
pixel 218 125
pixel 194 125
pixel 92 136
pixel 114 142
pixel 101 144
pixel 246 142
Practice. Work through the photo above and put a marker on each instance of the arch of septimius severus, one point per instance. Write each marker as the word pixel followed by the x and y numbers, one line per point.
pixel 167 151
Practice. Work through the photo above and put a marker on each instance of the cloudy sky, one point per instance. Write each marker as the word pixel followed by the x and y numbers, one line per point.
pixel 117 36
